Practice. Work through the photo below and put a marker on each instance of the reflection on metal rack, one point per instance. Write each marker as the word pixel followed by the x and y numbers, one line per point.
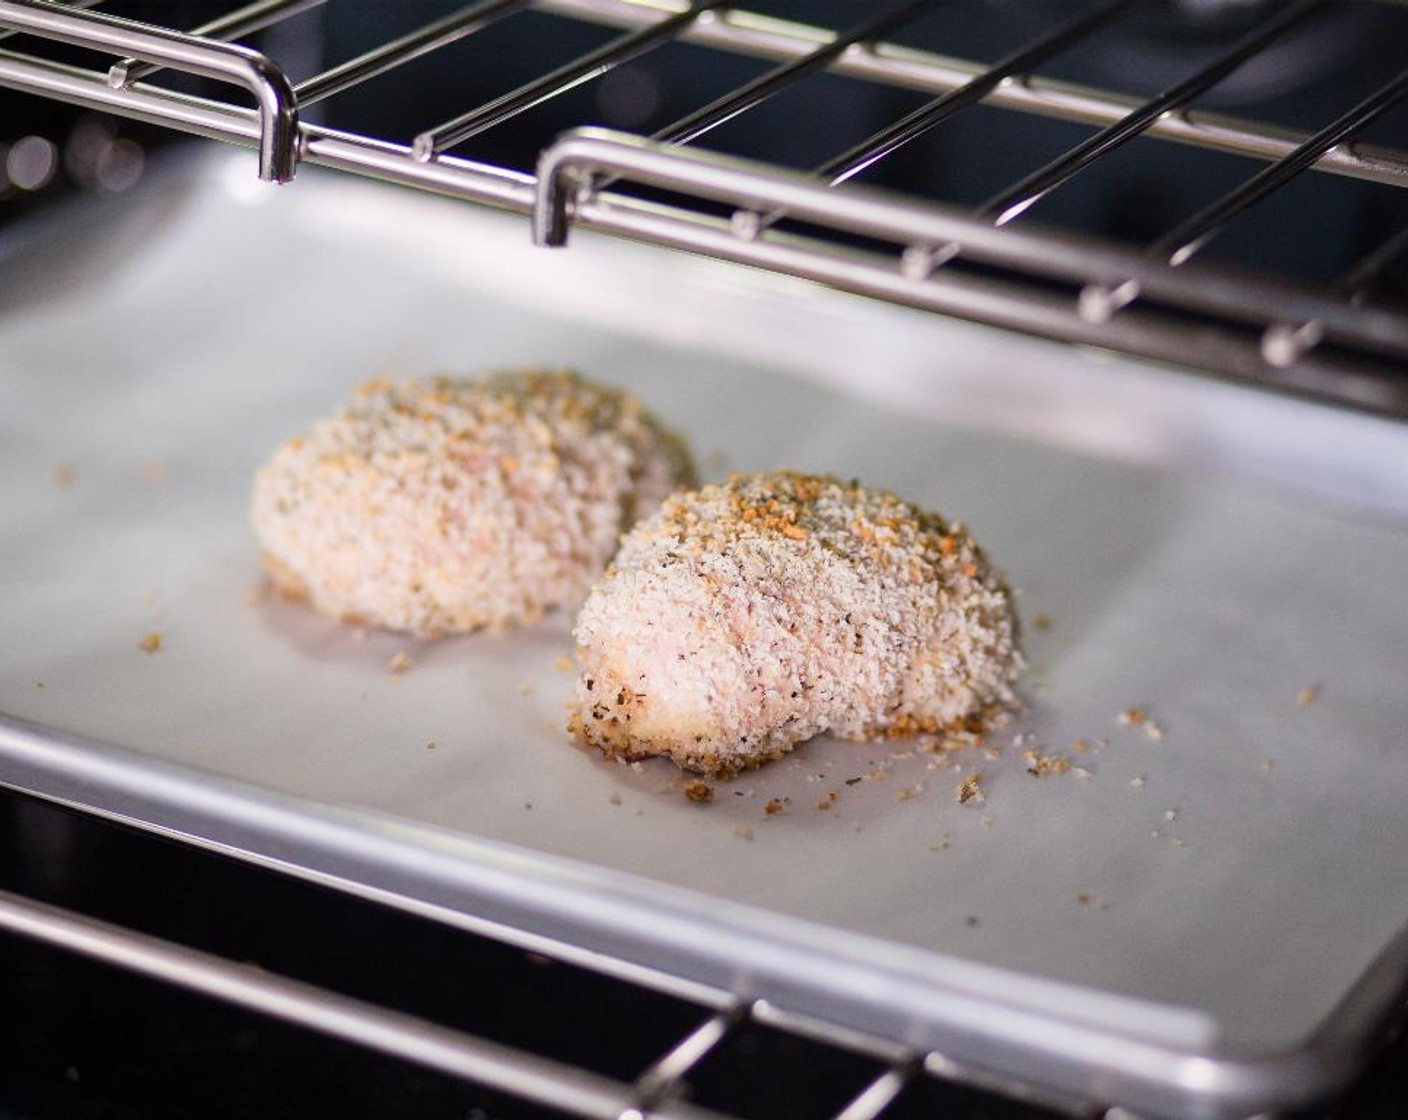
pixel 660 1090
pixel 278 113
pixel 1333 342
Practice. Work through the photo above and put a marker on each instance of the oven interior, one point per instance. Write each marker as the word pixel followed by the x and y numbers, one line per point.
pixel 1212 186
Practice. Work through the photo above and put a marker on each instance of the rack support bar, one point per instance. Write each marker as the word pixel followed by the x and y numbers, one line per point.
pixel 278 112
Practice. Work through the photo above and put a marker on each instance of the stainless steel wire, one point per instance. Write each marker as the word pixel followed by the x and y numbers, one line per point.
pixel 1179 244
pixel 1019 197
pixel 526 1076
pixel 77 5
pixel 873 149
pixel 388 56
pixel 278 137
pixel 1283 343
pixel 1105 279
pixel 234 25
pixel 433 141
pixel 765 86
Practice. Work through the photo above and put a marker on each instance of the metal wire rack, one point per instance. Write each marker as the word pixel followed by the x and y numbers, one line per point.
pixel 1338 341
pixel 883 1078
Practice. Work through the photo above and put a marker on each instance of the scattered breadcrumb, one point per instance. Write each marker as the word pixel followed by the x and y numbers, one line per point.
pixel 941 844
pixel 1082 773
pixel 431 744
pixel 400 663
pixel 527 688
pixel 614 798
pixel 775 806
pixel 743 832
pixel 1131 717
pixel 150 643
pixel 1081 746
pixel 909 792
pixel 1154 731
pixel 1137 782
pixel 828 801
pixel 64 475
pixel 879 774
pixel 1267 764
pixel 564 664
pixel 1170 814
pixel 1308 695
pixel 971 789
pixel 699 791
pixel 1039 763
pixel 1041 621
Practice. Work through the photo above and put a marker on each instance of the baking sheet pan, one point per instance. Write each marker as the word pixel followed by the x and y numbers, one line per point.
pixel 1203 891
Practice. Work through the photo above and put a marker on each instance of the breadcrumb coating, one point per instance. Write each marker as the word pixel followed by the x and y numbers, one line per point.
pixel 451 504
pixel 745 618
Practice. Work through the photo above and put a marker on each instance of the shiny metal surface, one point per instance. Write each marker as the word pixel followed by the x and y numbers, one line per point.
pixel 531 1077
pixel 1016 199
pixel 234 25
pixel 388 56
pixel 278 111
pixel 1333 341
pixel 432 141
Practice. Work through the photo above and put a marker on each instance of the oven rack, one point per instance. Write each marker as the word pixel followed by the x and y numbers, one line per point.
pixel 1334 342
pixel 528 1076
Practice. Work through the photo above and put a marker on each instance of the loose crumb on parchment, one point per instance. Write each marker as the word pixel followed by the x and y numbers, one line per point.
pixel 150 642
pixel 400 663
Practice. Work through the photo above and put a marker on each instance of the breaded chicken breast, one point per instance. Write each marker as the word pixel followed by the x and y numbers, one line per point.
pixel 449 504
pixel 745 618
